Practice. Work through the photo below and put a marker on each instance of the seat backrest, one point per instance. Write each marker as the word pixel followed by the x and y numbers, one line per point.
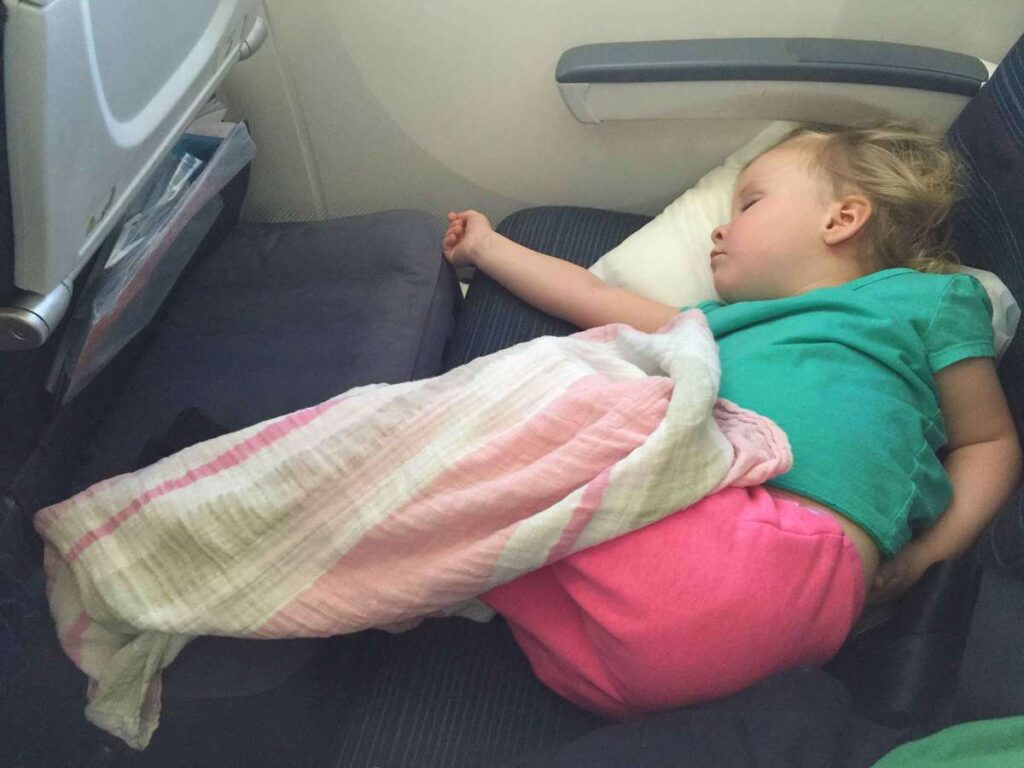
pixel 989 233
pixel 988 223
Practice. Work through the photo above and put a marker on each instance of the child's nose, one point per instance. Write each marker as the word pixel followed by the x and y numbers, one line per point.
pixel 718 234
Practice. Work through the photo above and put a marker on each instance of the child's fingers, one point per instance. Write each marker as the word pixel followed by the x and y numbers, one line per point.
pixel 452 236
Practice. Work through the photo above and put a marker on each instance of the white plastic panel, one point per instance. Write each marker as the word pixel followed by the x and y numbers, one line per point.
pixel 133 67
pixel 766 100
pixel 97 92
pixel 365 105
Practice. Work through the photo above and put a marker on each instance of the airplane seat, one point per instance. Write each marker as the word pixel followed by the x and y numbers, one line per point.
pixel 271 318
pixel 912 670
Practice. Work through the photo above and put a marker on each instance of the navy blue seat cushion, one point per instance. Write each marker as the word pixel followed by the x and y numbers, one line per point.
pixel 281 317
pixel 989 684
pixel 449 694
pixel 801 718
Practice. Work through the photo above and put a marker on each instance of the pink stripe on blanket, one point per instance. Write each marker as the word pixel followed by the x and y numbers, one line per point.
pixel 581 516
pixel 72 640
pixel 444 544
pixel 272 433
pixel 45 518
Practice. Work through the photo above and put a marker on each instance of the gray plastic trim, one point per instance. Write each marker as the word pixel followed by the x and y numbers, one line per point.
pixel 31 318
pixel 797 101
pixel 762 58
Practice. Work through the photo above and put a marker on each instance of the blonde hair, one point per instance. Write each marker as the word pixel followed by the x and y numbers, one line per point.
pixel 911 179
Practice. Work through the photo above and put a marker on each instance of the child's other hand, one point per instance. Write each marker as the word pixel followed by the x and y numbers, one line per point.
pixel 466 234
pixel 897 575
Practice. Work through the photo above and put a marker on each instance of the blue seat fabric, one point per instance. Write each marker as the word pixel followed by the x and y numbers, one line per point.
pixel 283 316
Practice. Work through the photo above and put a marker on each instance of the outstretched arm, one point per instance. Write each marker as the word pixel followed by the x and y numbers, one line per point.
pixel 984 466
pixel 552 285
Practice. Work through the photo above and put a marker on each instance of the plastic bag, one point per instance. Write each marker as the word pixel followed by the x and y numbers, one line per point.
pixel 138 229
pixel 136 272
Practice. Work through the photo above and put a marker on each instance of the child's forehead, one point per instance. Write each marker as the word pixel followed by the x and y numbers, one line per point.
pixel 758 171
pixel 784 160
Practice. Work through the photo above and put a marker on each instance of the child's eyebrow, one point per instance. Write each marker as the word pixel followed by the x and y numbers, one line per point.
pixel 744 189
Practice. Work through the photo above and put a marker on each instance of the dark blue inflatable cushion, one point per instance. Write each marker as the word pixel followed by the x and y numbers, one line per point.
pixel 283 316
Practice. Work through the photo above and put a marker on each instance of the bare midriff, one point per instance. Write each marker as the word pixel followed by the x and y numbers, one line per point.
pixel 869 553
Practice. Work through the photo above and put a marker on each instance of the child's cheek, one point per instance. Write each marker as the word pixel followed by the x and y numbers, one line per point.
pixel 720 281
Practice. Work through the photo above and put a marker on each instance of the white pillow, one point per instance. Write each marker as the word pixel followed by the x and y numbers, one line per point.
pixel 667 259
pixel 1005 310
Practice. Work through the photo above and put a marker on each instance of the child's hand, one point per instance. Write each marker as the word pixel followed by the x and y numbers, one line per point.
pixel 466 235
pixel 897 575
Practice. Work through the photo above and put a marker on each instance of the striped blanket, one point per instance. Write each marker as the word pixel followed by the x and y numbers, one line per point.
pixel 391 502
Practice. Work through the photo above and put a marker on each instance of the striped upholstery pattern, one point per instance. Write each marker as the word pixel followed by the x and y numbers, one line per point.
pixel 989 221
pixel 449 694
pixel 989 234
pixel 493 318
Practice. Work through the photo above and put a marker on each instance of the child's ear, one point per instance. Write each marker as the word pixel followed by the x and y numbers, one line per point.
pixel 846 218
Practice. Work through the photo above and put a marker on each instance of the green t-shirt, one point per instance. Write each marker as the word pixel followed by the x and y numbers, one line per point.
pixel 980 744
pixel 848 373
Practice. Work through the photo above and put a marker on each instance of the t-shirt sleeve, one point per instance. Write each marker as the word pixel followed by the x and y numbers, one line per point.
pixel 703 306
pixel 961 326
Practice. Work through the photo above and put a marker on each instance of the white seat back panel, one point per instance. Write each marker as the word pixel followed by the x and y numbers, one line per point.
pixel 97 92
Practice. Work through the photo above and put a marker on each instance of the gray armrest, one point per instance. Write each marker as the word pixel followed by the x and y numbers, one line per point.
pixel 787 59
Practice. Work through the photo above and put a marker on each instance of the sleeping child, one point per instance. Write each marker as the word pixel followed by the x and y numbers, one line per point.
pixel 842 319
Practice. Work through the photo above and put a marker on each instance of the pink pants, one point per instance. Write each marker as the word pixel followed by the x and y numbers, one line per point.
pixel 711 599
